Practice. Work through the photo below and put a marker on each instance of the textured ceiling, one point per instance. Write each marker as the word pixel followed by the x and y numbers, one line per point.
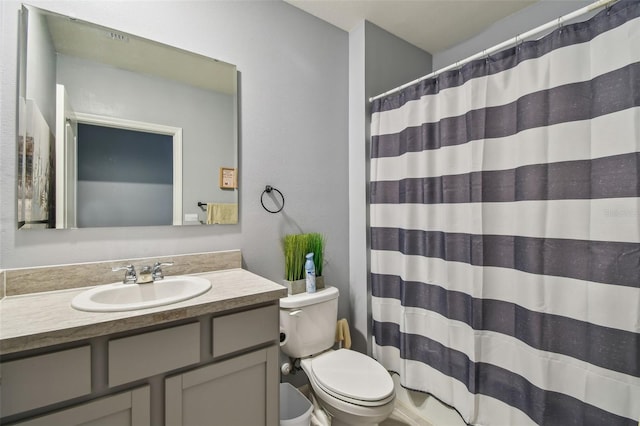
pixel 432 25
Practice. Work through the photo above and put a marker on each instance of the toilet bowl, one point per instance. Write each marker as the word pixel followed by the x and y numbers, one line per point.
pixel 351 387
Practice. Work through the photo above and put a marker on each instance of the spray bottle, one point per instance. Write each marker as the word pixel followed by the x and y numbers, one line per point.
pixel 310 273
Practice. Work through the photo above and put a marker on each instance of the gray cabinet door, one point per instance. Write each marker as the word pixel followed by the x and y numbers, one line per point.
pixel 239 391
pixel 131 408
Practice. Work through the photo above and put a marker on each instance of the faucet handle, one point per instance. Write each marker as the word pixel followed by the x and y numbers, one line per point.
pixel 157 270
pixel 130 275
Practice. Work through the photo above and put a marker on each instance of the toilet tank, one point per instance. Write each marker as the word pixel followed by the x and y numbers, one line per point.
pixel 308 322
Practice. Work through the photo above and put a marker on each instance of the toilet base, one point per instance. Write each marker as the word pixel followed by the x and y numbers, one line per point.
pixel 335 422
pixel 345 414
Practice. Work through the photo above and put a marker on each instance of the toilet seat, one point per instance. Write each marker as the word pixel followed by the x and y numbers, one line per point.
pixel 352 377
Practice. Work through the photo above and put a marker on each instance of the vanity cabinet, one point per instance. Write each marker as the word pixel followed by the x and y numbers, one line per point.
pixel 147 354
pixel 131 408
pixel 41 380
pixel 212 369
pixel 236 392
pixel 242 330
pixel 241 390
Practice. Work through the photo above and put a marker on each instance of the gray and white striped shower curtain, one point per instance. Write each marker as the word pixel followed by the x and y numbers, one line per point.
pixel 505 230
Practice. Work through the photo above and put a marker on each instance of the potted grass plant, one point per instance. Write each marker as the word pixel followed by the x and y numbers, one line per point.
pixel 296 247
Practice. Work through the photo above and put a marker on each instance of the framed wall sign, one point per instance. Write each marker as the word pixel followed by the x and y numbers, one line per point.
pixel 228 178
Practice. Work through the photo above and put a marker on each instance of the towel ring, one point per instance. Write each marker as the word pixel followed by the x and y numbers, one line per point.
pixel 267 190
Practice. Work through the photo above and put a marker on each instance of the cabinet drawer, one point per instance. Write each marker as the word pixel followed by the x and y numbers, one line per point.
pixel 244 329
pixel 143 355
pixel 45 379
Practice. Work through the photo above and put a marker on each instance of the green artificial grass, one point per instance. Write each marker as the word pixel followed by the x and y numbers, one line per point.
pixel 296 247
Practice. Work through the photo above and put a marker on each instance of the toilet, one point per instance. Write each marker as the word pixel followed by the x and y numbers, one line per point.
pixel 351 387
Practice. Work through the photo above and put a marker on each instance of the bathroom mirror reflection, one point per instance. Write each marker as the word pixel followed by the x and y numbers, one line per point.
pixel 117 130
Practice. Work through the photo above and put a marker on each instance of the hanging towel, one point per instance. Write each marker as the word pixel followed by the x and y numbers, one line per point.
pixel 343 335
pixel 221 213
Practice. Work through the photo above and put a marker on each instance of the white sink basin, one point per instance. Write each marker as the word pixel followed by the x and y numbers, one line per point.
pixel 118 297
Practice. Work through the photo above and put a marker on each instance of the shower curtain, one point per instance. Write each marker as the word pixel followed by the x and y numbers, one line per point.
pixel 505 230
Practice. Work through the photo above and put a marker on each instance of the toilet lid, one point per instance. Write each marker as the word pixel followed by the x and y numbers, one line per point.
pixel 352 375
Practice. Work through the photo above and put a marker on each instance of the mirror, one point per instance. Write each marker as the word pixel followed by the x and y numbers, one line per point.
pixel 117 130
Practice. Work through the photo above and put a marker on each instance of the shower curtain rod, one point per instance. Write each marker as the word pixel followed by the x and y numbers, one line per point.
pixel 520 37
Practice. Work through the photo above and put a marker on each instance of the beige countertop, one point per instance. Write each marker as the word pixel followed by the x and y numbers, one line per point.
pixel 44 319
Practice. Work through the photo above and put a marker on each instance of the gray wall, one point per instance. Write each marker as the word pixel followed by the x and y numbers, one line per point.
pixel 520 22
pixel 293 133
pixel 378 61
pixel 205 118
pixel 125 178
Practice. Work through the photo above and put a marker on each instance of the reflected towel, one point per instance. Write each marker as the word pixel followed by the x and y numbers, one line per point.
pixel 343 335
pixel 221 213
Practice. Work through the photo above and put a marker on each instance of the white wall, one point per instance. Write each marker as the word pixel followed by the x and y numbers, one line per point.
pixel 293 133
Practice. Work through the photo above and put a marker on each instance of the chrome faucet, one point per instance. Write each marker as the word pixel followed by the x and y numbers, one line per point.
pixel 157 270
pixel 148 274
pixel 145 276
pixel 130 275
